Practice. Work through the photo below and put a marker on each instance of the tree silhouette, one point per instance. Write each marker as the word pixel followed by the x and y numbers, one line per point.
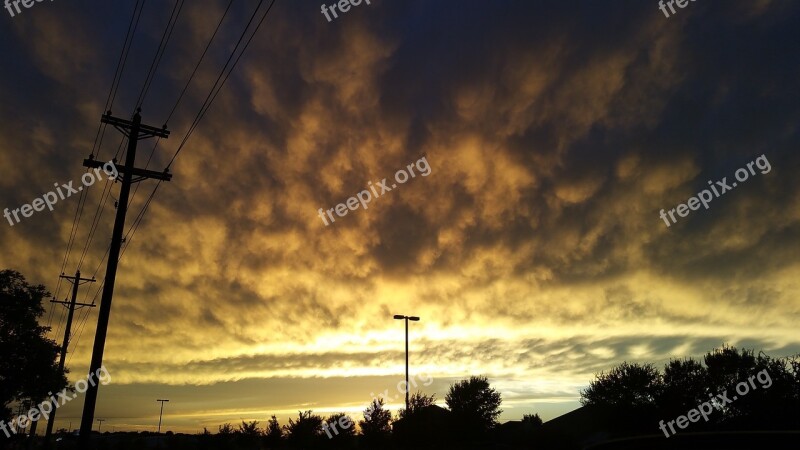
pixel 248 434
pixel 793 369
pixel 531 420
pixel 475 405
pixel 375 428
pixel 741 390
pixel 249 428
pixel 684 385
pixel 340 430
pixel 274 434
pixel 726 367
pixel 416 402
pixel 306 432
pixel 627 385
pixel 28 367
pixel 766 388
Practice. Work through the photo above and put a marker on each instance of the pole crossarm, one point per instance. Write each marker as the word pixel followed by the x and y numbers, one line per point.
pixel 66 302
pixel 124 127
pixel 141 174
pixel 78 279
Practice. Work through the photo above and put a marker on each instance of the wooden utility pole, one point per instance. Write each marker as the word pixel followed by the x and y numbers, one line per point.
pixel 134 130
pixel 76 281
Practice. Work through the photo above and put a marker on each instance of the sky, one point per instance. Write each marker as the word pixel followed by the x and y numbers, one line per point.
pixel 546 138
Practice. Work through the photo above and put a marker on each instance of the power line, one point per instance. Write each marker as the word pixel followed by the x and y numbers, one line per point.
pixel 204 108
pixel 201 113
pixel 212 95
pixel 96 145
pixel 208 45
pixel 183 91
pixel 126 46
pixel 98 213
pixel 133 25
pixel 162 46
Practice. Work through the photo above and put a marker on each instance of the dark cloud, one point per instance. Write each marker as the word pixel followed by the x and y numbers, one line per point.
pixel 534 252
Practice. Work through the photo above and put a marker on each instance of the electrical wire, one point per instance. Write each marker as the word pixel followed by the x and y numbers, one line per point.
pixel 217 85
pixel 162 46
pixel 204 108
pixel 132 25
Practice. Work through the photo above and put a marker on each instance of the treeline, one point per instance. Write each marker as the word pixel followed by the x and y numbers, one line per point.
pixel 735 389
pixel 472 410
pixel 726 390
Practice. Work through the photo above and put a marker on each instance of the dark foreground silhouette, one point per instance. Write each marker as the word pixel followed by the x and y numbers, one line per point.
pixel 730 399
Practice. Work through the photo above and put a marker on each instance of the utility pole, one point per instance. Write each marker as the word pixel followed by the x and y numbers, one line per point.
pixel 406 318
pixel 101 424
pixel 76 281
pixel 134 130
pixel 161 414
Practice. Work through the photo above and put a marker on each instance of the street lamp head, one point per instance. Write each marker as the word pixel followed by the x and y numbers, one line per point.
pixel 399 316
pixel 414 318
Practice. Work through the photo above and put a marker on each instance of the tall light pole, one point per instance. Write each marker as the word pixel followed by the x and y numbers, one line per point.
pixel 161 414
pixel 406 318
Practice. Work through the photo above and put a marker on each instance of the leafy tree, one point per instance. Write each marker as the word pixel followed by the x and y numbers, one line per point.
pixel 768 388
pixel 205 440
pixel 226 429
pixel 531 420
pixel 416 402
pixel 306 431
pixel 376 428
pixel 274 433
pixel 340 431
pixel 625 386
pixel 747 391
pixel 348 430
pixel 249 428
pixel 793 367
pixel 475 405
pixel 684 386
pixel 248 434
pixel 727 366
pixel 28 368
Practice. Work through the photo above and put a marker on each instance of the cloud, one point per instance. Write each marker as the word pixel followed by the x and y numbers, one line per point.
pixel 533 252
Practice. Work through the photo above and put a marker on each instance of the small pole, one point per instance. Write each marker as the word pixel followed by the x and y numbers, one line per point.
pixel 161 414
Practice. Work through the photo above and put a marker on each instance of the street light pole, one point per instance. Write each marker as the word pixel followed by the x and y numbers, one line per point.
pixel 161 414
pixel 407 388
pixel 406 318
